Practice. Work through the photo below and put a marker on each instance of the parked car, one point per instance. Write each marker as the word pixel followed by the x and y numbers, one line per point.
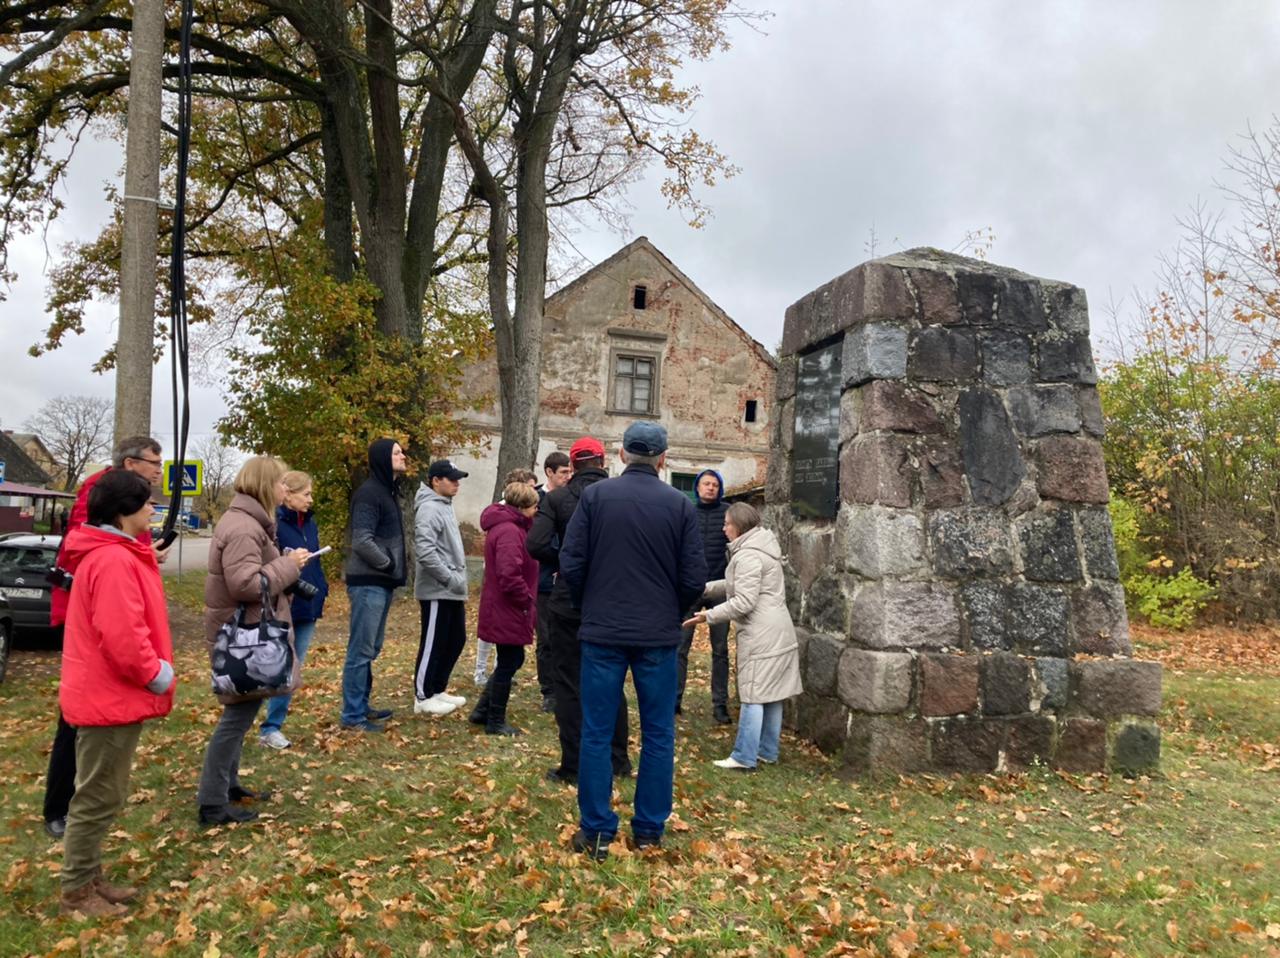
pixel 6 636
pixel 25 562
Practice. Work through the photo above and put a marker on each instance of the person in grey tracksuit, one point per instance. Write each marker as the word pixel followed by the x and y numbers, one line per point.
pixel 440 588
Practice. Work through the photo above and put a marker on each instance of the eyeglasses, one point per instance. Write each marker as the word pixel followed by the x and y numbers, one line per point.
pixel 154 462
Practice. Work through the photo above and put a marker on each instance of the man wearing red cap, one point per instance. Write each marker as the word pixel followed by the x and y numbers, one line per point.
pixel 543 542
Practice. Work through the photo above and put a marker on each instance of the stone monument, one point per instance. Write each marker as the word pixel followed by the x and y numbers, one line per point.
pixel 940 493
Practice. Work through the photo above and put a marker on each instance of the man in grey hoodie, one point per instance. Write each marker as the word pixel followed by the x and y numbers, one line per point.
pixel 441 589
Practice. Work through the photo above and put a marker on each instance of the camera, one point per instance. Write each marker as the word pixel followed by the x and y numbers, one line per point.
pixel 59 578
pixel 302 590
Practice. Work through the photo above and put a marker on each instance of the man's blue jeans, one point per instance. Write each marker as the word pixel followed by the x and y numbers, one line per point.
pixel 369 607
pixel 759 728
pixel 278 707
pixel 604 672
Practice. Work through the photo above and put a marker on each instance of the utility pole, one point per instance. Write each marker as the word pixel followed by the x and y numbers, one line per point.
pixel 135 344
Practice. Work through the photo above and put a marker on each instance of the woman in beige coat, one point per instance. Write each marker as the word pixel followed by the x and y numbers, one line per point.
pixel 243 550
pixel 753 595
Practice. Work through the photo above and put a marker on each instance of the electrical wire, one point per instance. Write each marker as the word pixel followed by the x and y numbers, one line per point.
pixel 178 341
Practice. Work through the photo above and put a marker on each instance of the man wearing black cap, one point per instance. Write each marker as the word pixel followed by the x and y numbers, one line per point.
pixel 632 560
pixel 440 588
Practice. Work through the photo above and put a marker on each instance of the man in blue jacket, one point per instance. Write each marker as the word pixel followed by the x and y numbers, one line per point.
pixel 632 560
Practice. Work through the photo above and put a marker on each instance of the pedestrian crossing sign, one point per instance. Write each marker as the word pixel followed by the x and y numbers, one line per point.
pixel 192 477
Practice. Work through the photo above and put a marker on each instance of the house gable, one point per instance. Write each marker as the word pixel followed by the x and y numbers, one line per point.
pixel 18 466
pixel 613 271
pixel 609 357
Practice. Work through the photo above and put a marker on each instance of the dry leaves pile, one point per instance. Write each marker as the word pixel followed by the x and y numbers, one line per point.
pixel 1254 650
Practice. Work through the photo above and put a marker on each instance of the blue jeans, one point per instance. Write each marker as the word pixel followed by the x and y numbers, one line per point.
pixel 759 728
pixel 604 672
pixel 278 707
pixel 369 607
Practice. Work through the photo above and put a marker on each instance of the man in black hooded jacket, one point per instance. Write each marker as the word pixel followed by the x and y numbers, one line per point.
pixel 711 507
pixel 375 568
pixel 563 619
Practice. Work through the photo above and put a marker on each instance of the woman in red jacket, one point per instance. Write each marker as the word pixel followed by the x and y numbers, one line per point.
pixel 508 599
pixel 116 672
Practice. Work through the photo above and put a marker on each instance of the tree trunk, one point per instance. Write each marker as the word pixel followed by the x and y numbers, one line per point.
pixel 520 362
pixel 339 232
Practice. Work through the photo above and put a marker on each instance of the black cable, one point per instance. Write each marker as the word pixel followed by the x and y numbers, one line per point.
pixel 178 342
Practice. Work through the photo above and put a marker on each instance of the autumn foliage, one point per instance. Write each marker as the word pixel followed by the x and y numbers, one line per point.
pixel 314 381
pixel 1193 406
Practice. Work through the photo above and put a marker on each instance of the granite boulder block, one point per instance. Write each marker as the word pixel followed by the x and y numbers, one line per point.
pixel 1082 746
pixel 970 542
pixel 1135 748
pixel 1071 468
pixel 1054 676
pixel 875 682
pixel 1098 542
pixel 1029 741
pixel 879 743
pixel 1047 545
pixel 876 469
pixel 1099 620
pixel 1041 410
pixel 992 457
pixel 1105 688
pixel 1021 304
pixel 1006 684
pixel 1006 357
pixel 1039 619
pixel 874 351
pixel 889 405
pixel 875 541
pixel 894 614
pixel 943 354
pixel 948 684
pixel 966 744
pixel 822 661
pixel 937 297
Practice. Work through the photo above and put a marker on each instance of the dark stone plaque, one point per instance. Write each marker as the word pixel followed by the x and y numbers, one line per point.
pixel 816 451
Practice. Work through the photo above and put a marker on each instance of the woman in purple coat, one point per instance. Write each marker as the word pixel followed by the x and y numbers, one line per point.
pixel 508 599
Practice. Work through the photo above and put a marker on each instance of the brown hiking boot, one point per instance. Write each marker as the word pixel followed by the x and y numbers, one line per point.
pixel 87 903
pixel 117 894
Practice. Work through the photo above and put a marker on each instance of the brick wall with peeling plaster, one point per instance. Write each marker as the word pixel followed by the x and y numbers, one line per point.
pixel 708 370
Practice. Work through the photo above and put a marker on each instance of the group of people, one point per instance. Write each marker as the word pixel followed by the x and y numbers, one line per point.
pixel 611 575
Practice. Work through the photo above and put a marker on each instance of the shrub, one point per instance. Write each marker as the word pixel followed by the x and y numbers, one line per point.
pixel 1152 590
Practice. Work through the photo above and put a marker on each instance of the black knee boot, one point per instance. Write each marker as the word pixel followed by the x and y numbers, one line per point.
pixel 480 714
pixel 499 692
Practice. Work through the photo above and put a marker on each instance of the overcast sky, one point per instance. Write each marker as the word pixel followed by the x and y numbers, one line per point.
pixel 1076 131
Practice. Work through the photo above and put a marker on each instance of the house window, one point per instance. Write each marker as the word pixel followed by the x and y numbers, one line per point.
pixel 749 414
pixel 684 481
pixel 639 297
pixel 634 383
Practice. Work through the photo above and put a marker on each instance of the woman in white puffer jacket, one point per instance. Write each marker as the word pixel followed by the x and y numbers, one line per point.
pixel 752 595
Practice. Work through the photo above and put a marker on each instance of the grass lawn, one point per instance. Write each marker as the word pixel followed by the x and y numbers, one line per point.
pixel 435 839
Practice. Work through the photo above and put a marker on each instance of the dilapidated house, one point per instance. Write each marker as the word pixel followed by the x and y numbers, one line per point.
pixel 633 338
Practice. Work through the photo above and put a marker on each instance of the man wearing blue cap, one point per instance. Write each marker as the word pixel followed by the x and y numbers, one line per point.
pixel 632 560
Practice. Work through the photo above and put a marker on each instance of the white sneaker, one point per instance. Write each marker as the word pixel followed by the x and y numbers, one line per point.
pixel 274 739
pixel 432 706
pixel 451 699
pixel 732 762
